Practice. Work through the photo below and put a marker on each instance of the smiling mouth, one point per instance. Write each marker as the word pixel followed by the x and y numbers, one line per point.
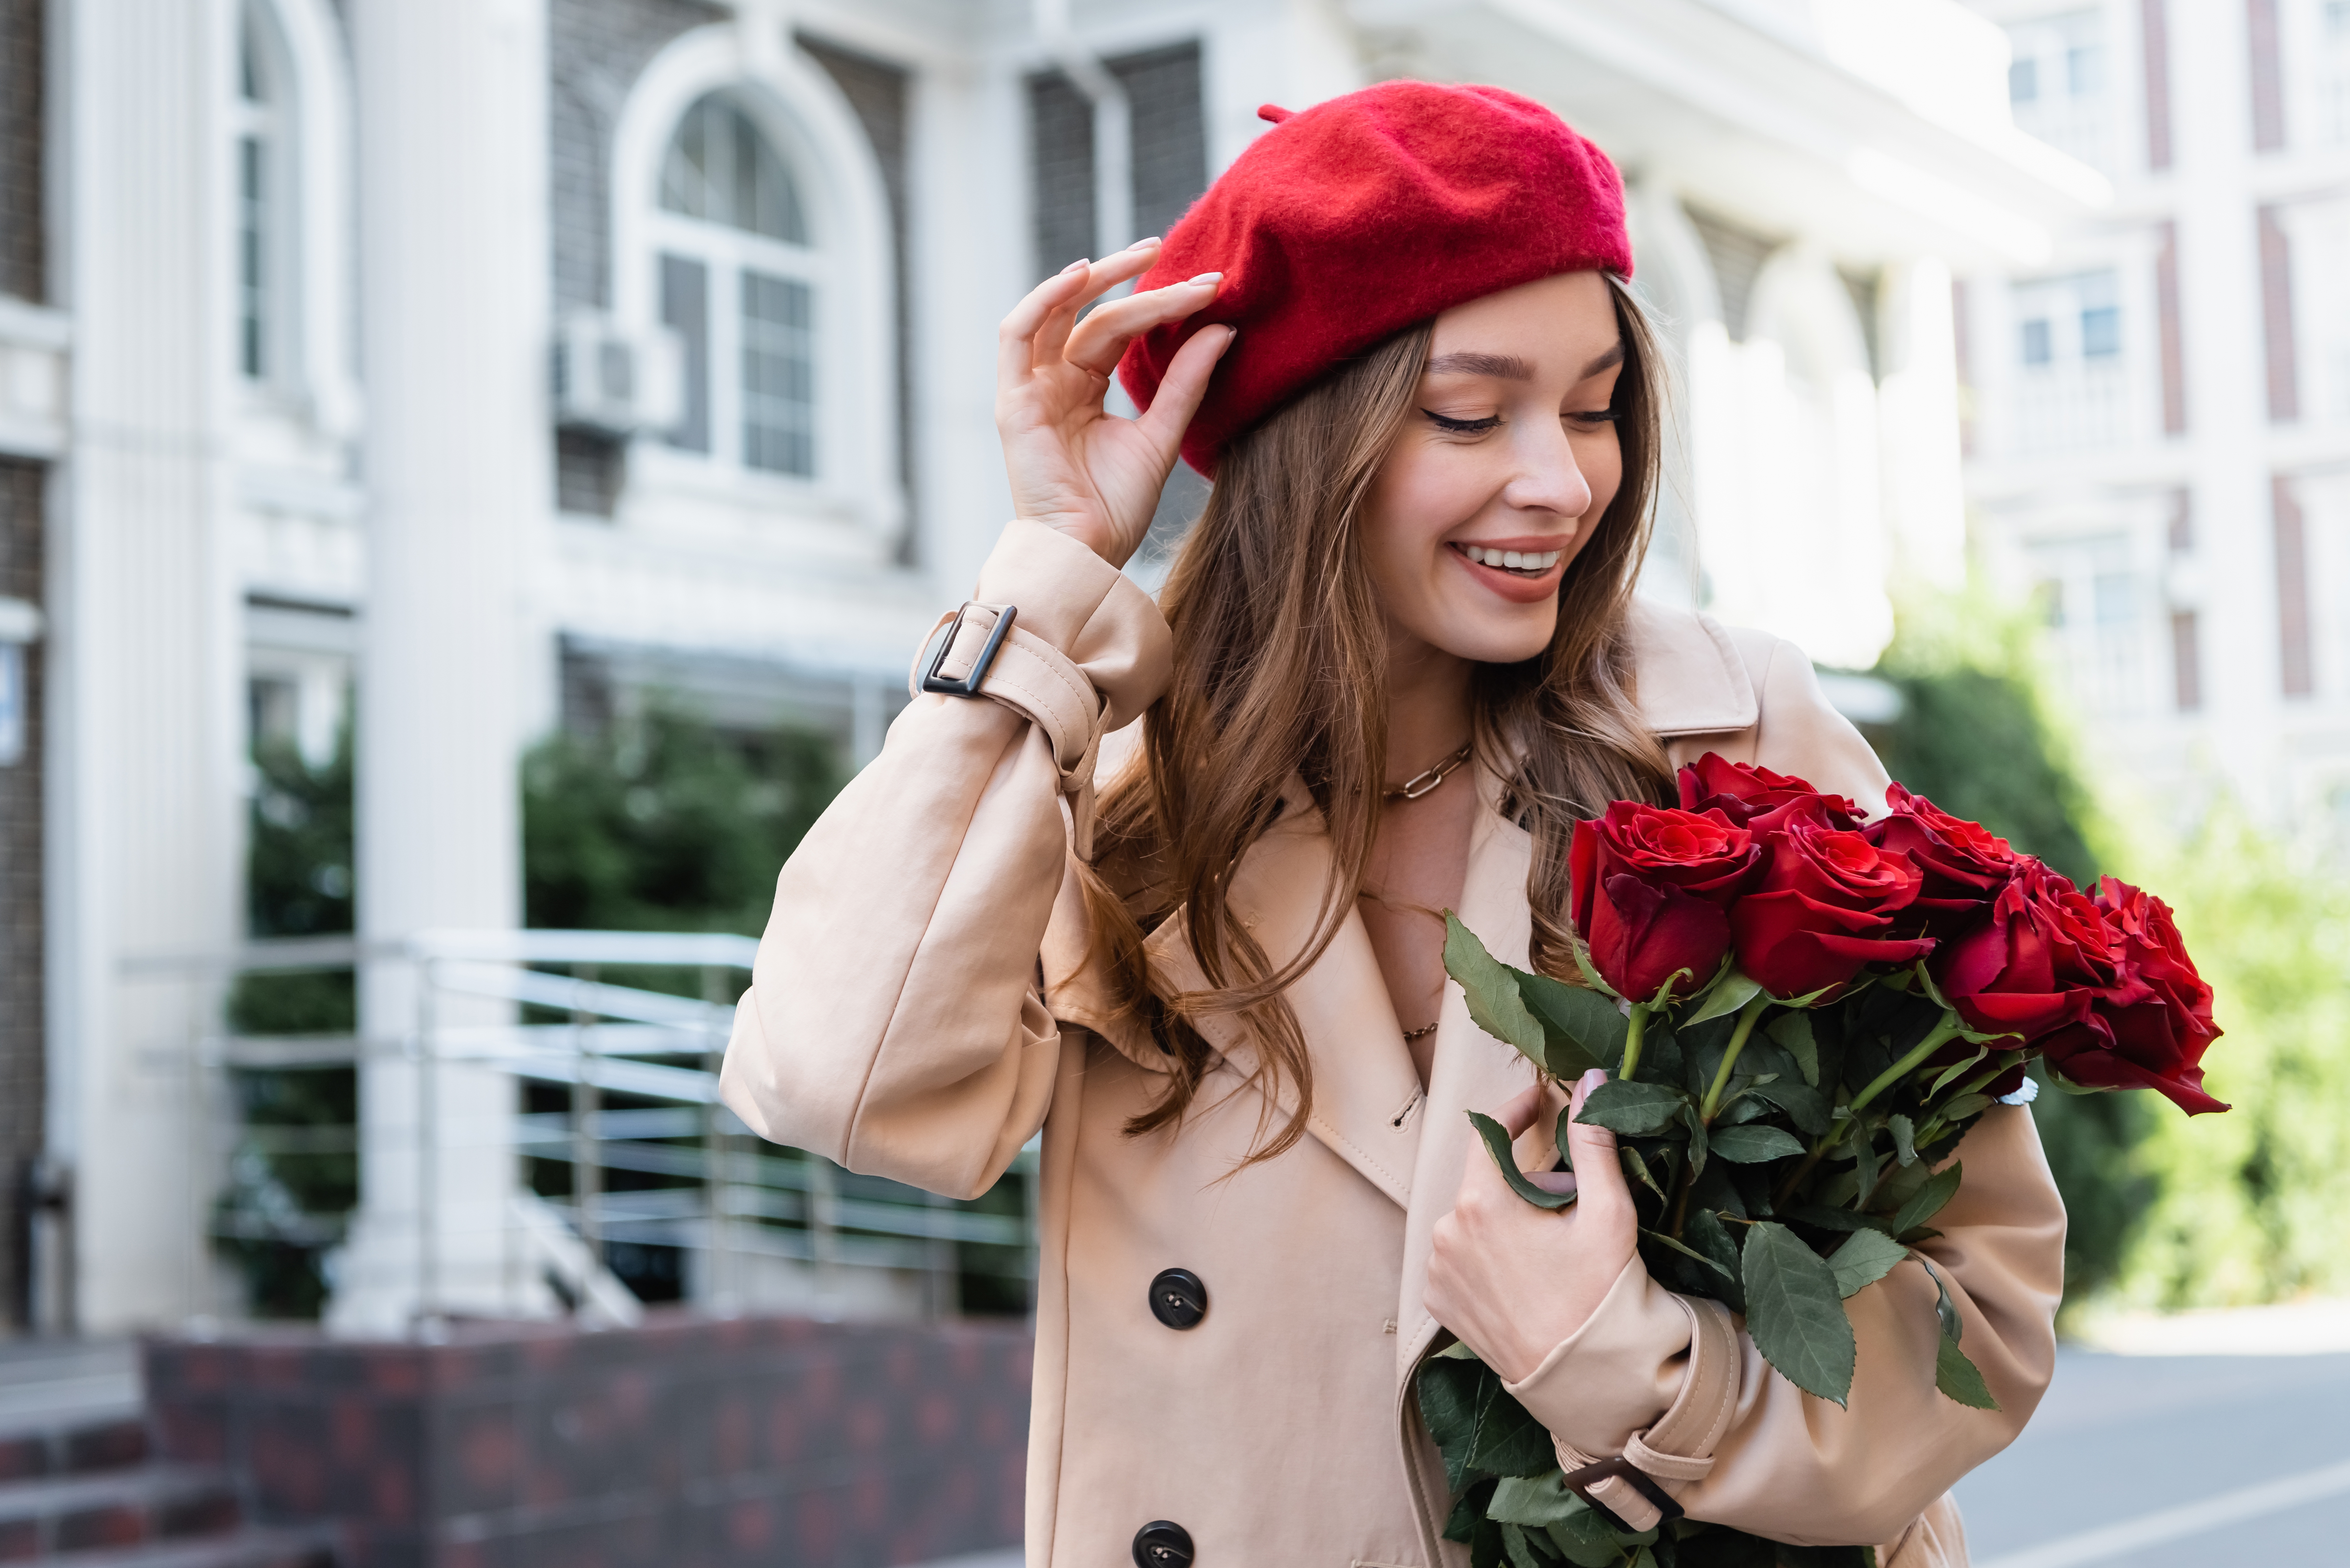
pixel 1517 562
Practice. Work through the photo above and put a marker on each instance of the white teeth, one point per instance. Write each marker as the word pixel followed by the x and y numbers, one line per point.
pixel 1528 561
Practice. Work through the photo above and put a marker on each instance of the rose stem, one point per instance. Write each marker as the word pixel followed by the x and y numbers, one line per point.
pixel 1949 1029
pixel 1632 1065
pixel 1747 1017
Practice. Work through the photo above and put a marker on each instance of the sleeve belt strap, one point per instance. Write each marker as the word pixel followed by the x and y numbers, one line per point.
pixel 1032 677
pixel 1679 1446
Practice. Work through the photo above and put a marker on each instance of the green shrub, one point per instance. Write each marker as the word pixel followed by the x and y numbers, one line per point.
pixel 1977 736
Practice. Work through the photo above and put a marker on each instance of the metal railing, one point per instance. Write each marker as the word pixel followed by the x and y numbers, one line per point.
pixel 628 1176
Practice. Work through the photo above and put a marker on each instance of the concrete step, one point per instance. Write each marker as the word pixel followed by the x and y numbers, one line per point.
pixel 246 1549
pixel 56 1516
pixel 47 1383
pixel 44 1452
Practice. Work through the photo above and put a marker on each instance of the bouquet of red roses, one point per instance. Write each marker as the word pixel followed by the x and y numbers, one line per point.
pixel 1801 1014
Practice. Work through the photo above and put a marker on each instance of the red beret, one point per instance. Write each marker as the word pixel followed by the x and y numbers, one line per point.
pixel 1350 220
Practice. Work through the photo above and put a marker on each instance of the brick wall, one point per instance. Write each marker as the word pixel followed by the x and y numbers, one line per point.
pixel 21 101
pixel 684 1443
pixel 22 1050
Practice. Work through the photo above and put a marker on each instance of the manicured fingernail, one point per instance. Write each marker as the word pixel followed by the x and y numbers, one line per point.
pixel 1592 1078
pixel 1206 278
pixel 1077 266
pixel 1150 240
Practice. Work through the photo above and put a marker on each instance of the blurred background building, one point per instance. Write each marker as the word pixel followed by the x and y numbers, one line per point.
pixel 474 474
pixel 515 366
pixel 2159 413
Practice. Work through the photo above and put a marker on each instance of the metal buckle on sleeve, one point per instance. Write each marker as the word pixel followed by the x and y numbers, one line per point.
pixel 969 685
pixel 1580 1481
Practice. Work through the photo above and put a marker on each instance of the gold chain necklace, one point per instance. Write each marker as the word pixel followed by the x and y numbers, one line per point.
pixel 1426 782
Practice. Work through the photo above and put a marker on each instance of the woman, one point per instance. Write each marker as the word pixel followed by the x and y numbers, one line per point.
pixel 1398 656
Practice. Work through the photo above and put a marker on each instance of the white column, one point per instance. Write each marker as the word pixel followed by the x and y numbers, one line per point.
pixel 2227 400
pixel 453 176
pixel 144 855
pixel 1925 499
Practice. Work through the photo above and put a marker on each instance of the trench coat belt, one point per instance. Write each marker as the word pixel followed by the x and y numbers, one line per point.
pixel 1679 1446
pixel 1031 678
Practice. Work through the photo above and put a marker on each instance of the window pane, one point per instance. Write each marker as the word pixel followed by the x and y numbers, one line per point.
pixel 248 62
pixel 252 257
pixel 685 307
pixel 2084 70
pixel 2101 331
pixel 778 376
pixel 2035 343
pixel 720 169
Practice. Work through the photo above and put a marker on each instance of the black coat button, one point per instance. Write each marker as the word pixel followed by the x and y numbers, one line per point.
pixel 1179 1300
pixel 1160 1543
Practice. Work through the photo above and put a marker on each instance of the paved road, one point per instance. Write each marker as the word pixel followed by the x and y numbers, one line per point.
pixel 2173 1461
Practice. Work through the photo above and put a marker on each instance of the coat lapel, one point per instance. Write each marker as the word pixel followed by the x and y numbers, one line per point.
pixel 1367 1094
pixel 1472 1070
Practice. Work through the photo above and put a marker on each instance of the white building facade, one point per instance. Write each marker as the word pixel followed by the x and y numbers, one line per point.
pixel 507 361
pixel 2159 445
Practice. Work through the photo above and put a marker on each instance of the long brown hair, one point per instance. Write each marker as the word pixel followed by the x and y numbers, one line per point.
pixel 1281 669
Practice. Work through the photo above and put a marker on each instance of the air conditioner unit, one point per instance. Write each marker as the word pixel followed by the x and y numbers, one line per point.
pixel 618 381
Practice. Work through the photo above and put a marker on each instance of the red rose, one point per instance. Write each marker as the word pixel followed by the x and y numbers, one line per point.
pixel 1757 798
pixel 1648 887
pixel 1824 908
pixel 1963 864
pixel 2151 1031
pixel 2036 964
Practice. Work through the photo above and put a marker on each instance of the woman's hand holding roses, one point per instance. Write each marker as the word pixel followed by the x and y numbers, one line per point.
pixel 1512 1280
pixel 1073 465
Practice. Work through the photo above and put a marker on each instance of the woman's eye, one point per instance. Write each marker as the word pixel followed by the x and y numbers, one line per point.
pixel 1462 427
pixel 1596 417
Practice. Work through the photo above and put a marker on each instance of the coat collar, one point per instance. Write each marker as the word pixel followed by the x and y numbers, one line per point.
pixel 1689 678
pixel 1366 1091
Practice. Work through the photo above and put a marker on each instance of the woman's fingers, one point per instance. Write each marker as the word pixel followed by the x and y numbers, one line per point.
pixel 1016 339
pixel 1096 343
pixel 1185 385
pixel 1594 1149
pixel 1053 332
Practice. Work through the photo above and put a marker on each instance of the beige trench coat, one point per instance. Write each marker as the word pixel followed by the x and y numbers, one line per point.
pixel 922 1005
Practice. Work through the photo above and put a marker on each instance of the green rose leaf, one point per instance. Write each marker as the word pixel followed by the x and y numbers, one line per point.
pixel 1635 1110
pixel 1791 1033
pixel 1497 1144
pixel 1494 1005
pixel 1904 1139
pixel 1750 1144
pixel 1865 1257
pixel 1959 1378
pixel 1539 1501
pixel 1508 1440
pixel 1706 1232
pixel 1733 991
pixel 1584 1028
pixel 1827 1218
pixel 1929 1199
pixel 1805 1107
pixel 1514 1544
pixel 1584 1538
pixel 1661 1240
pixel 1795 1313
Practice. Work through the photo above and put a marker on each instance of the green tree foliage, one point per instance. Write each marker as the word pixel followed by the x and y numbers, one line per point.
pixel 2254 1205
pixel 294 1178
pixel 666 823
pixel 1977 736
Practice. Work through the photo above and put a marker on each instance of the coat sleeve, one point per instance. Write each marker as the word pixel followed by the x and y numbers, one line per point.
pixel 893 1022
pixel 1762 1456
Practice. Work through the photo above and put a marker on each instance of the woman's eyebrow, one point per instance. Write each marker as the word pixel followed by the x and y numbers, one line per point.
pixel 1501 366
pixel 1614 357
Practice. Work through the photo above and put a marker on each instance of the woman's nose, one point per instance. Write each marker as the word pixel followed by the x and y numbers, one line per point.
pixel 1549 479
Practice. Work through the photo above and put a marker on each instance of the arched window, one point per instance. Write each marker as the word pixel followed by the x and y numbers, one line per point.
pixel 738 281
pixel 260 119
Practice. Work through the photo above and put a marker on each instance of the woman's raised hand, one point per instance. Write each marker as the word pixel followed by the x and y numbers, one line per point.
pixel 1073 466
